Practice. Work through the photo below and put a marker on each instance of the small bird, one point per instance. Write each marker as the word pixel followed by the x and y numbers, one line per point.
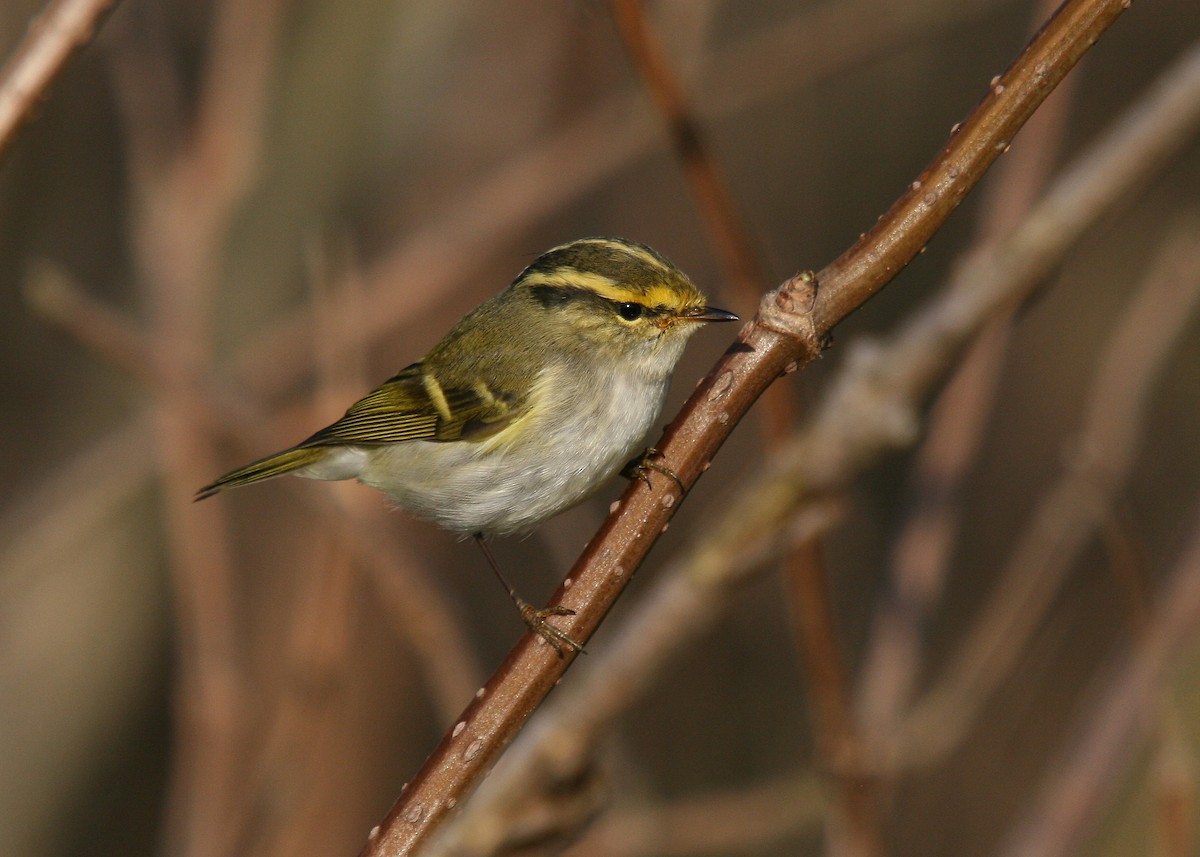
pixel 527 406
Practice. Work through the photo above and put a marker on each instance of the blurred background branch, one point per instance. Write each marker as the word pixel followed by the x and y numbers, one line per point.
pixel 61 29
pixel 227 220
pixel 867 411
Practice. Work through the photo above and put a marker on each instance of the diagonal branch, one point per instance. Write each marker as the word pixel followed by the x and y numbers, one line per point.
pixel 63 28
pixel 807 590
pixel 870 407
pixel 955 429
pixel 1112 730
pixel 564 166
pixel 789 331
pixel 1067 516
pixel 421 616
pixel 726 228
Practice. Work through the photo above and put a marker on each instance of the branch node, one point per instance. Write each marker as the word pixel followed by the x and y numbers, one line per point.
pixel 788 310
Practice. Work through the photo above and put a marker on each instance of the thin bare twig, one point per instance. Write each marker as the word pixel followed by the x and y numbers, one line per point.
pixel 418 612
pixel 567 164
pixel 63 28
pixel 746 821
pixel 311 689
pixel 1071 510
pixel 176 234
pixel 1115 726
pixel 726 228
pixel 855 831
pixel 1174 783
pixel 556 752
pixel 871 407
pixel 57 512
pixel 1172 767
pixel 789 331
pixel 580 157
pixel 956 424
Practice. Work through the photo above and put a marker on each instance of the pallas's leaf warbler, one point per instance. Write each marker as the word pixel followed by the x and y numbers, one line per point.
pixel 527 405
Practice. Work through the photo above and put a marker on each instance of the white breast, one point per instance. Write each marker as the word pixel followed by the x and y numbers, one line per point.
pixel 505 484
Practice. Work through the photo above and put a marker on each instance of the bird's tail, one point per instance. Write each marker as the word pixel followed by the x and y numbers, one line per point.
pixel 266 468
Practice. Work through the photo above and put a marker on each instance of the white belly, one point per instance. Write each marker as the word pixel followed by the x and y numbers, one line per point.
pixel 510 484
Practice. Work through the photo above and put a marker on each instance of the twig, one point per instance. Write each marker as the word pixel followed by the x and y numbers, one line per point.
pixel 973 146
pixel 1171 770
pixel 57 512
pixel 747 821
pixel 418 612
pixel 1117 724
pixel 789 331
pixel 311 690
pixel 53 295
pixel 956 424
pixel 568 163
pixel 554 755
pixel 1174 783
pixel 870 408
pixel 1172 767
pixel 826 41
pixel 856 829
pixel 290 756
pixel 726 229
pixel 573 161
pixel 176 233
pixel 62 28
pixel 1070 511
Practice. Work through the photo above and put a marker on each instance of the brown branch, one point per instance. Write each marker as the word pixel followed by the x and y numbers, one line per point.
pixel 863 269
pixel 1174 780
pixel 726 229
pixel 1069 513
pixel 575 160
pixel 750 820
pixel 869 409
pixel 789 331
pixel 805 572
pixel 412 603
pixel 854 829
pixel 1115 726
pixel 1171 771
pixel 956 425
pixel 57 512
pixel 556 753
pixel 183 209
pixel 63 28
pixel 51 293
pixel 565 166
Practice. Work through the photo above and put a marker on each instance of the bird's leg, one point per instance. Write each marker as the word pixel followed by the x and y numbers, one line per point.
pixel 534 618
pixel 640 467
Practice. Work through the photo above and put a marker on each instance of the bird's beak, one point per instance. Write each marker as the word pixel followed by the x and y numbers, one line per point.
pixel 706 313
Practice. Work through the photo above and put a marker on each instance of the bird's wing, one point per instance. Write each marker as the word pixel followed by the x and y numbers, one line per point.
pixel 413 405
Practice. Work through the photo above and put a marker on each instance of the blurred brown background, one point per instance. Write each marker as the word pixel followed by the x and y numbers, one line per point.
pixel 205 174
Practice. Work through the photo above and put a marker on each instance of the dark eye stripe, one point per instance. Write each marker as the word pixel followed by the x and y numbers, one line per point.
pixel 557 297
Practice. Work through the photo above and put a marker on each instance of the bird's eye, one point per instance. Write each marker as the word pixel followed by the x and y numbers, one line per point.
pixel 631 311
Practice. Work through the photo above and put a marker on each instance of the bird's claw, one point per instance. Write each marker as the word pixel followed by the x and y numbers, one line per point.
pixel 535 619
pixel 640 467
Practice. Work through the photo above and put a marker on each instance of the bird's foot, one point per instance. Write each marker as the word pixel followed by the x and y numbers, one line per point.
pixel 535 618
pixel 640 467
